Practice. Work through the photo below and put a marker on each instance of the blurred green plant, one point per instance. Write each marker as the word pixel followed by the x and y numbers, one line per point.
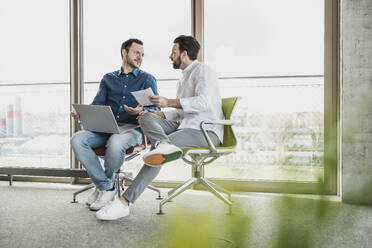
pixel 296 222
pixel 191 229
pixel 299 220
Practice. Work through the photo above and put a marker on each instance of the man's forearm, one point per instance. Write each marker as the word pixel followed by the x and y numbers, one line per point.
pixel 174 103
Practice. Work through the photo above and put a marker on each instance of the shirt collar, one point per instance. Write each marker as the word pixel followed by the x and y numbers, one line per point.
pixel 190 67
pixel 134 72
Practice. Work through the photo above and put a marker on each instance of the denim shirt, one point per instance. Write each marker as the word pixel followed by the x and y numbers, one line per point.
pixel 115 91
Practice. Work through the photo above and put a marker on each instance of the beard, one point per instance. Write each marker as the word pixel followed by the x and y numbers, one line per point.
pixel 177 64
pixel 131 63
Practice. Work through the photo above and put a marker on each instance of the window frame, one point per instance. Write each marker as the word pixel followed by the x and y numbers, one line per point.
pixel 331 105
pixel 330 185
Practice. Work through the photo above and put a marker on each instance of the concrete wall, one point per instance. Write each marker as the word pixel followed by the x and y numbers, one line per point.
pixel 356 106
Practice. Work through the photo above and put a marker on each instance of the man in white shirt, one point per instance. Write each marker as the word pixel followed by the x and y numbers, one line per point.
pixel 198 99
pixel 177 127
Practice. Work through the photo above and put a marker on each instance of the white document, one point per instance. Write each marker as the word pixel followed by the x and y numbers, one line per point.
pixel 142 96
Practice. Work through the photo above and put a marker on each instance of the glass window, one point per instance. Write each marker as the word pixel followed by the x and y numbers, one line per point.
pixel 270 53
pixel 107 24
pixel 265 37
pixel 34 75
pixel 157 23
pixel 34 44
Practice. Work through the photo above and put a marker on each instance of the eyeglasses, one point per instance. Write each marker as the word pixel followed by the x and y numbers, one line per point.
pixel 138 53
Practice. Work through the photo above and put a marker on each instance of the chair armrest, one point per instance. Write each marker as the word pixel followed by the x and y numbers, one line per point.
pixel 211 146
pixel 220 122
pixel 144 140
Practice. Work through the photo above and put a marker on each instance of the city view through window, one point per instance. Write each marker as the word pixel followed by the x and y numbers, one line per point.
pixel 268 54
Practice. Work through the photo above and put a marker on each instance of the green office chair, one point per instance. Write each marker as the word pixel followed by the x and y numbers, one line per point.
pixel 198 157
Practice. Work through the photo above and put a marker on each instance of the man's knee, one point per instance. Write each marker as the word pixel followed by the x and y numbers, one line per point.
pixel 77 139
pixel 120 143
pixel 180 143
pixel 116 145
pixel 146 118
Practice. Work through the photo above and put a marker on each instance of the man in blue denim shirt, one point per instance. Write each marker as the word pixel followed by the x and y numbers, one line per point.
pixel 115 91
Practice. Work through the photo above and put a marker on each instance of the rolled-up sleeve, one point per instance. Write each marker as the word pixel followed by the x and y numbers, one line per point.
pixel 173 114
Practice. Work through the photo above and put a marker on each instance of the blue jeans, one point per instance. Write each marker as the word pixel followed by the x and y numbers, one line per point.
pixel 116 145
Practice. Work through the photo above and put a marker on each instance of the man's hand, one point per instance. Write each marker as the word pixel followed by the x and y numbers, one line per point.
pixel 75 115
pixel 159 113
pixel 164 102
pixel 159 101
pixel 133 111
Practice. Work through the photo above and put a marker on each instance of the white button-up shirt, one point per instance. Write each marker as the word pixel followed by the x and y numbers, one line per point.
pixel 200 98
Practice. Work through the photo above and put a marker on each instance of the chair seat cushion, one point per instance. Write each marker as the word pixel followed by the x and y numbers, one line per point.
pixel 101 151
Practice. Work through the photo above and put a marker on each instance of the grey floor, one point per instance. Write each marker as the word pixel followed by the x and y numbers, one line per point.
pixel 41 215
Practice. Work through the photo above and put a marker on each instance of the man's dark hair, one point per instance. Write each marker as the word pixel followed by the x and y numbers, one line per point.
pixel 128 43
pixel 188 44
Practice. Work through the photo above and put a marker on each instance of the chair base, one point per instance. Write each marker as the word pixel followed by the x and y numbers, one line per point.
pixel 210 186
pixel 88 187
pixel 120 179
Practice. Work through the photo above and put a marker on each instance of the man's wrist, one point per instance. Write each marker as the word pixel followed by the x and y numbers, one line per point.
pixel 174 103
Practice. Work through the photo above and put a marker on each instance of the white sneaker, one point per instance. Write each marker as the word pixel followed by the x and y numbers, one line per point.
pixel 162 154
pixel 113 210
pixel 104 197
pixel 93 197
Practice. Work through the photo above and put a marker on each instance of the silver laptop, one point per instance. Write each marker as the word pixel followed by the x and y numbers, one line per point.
pixel 98 118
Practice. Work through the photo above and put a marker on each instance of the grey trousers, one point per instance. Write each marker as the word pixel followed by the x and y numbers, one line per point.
pixel 159 129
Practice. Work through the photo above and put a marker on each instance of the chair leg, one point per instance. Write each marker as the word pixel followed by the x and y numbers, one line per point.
pixel 117 183
pixel 218 187
pixel 216 193
pixel 176 192
pixel 174 189
pixel 156 190
pixel 88 187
